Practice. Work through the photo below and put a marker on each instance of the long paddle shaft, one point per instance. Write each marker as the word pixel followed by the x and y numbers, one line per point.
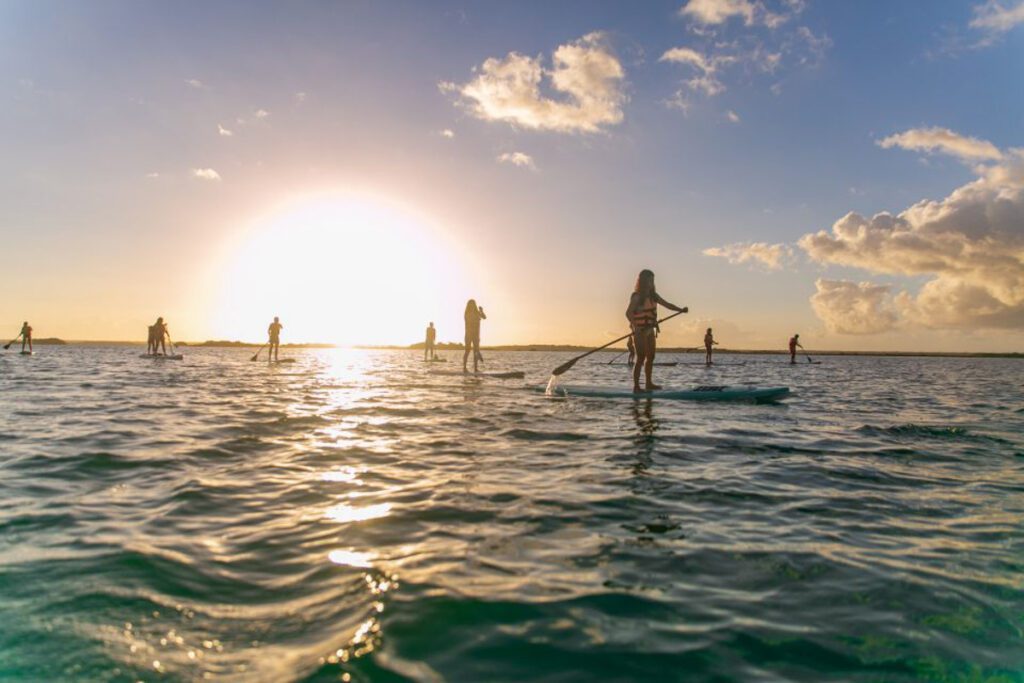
pixel 258 351
pixel 618 356
pixel 567 365
pixel 8 344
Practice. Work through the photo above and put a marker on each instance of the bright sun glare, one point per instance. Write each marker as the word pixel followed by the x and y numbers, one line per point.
pixel 344 270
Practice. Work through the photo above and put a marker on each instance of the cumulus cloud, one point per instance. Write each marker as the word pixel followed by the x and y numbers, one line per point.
pixel 998 17
pixel 223 132
pixel 723 52
pixel 261 113
pixel 853 307
pixel 771 256
pixel 586 78
pixel 970 245
pixel 448 133
pixel 205 174
pixel 943 140
pixel 517 159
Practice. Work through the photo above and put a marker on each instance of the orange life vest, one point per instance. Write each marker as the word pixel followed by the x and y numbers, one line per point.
pixel 646 314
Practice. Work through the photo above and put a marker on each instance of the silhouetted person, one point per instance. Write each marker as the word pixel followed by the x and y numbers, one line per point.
pixel 473 315
pixel 709 341
pixel 151 341
pixel 26 336
pixel 160 335
pixel 794 342
pixel 428 346
pixel 274 330
pixel 643 319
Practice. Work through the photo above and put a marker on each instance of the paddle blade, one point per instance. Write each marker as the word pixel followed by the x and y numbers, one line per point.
pixel 564 367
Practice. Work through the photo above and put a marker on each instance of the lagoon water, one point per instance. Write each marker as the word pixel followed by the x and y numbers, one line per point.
pixel 352 517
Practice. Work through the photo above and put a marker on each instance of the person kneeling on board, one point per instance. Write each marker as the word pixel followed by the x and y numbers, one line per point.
pixel 643 320
pixel 274 330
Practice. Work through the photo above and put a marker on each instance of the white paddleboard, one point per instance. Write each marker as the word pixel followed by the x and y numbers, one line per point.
pixel 150 356
pixel 699 393
pixel 512 374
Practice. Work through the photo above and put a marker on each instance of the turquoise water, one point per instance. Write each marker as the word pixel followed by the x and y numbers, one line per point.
pixel 352 515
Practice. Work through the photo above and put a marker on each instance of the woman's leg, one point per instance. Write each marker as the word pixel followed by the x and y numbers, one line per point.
pixel 468 344
pixel 652 349
pixel 641 349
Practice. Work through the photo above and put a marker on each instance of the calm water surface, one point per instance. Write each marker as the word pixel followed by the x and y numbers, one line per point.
pixel 353 515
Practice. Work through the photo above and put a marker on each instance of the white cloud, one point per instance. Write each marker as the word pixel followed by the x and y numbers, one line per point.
pixel 771 256
pixel 732 116
pixel 448 133
pixel 585 73
pixel 687 55
pixel 195 83
pixel 970 245
pixel 300 97
pixel 205 174
pixel 718 11
pixel 853 307
pixel 153 176
pixel 261 113
pixel 221 130
pixel 517 159
pixel 998 17
pixel 945 141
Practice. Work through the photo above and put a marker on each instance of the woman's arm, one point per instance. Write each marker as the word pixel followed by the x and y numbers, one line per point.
pixel 670 306
pixel 480 310
pixel 634 303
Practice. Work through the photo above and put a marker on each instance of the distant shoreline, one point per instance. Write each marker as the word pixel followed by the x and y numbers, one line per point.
pixel 555 348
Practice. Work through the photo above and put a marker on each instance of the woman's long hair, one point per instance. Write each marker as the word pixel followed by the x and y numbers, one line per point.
pixel 471 308
pixel 645 284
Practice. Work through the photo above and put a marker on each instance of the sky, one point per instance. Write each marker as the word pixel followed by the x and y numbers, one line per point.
pixel 852 171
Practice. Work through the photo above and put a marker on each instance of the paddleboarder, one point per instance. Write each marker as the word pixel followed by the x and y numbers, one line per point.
pixel 26 336
pixel 642 314
pixel 274 330
pixel 709 341
pixel 159 334
pixel 794 342
pixel 473 315
pixel 428 346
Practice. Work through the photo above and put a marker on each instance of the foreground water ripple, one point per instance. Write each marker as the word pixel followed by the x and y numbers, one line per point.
pixel 352 514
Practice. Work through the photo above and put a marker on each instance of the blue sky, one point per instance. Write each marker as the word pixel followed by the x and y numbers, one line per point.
pixel 141 141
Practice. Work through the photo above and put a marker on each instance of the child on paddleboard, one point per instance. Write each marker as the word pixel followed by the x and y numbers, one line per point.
pixel 642 314
pixel 709 341
pixel 473 315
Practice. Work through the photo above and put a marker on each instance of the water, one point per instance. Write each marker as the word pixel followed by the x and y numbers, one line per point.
pixel 352 515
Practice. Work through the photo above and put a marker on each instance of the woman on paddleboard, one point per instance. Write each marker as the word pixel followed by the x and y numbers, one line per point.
pixel 160 333
pixel 428 346
pixel 794 342
pixel 643 320
pixel 26 336
pixel 709 341
pixel 473 315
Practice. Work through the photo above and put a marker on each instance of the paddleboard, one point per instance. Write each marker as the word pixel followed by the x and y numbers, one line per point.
pixel 177 356
pixel 27 353
pixel 283 360
pixel 717 364
pixel 656 364
pixel 512 374
pixel 436 360
pixel 700 393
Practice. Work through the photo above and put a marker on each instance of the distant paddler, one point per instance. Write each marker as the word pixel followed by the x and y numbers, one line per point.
pixel 428 346
pixel 274 330
pixel 25 336
pixel 158 335
pixel 709 341
pixel 473 315
pixel 643 321
pixel 794 342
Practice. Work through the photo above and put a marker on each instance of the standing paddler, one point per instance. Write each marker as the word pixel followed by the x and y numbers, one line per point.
pixel 794 342
pixel 709 341
pixel 274 330
pixel 428 346
pixel 159 334
pixel 643 320
pixel 473 315
pixel 26 336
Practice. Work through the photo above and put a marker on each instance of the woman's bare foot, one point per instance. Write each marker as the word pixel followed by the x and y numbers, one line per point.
pixel 637 389
pixel 653 387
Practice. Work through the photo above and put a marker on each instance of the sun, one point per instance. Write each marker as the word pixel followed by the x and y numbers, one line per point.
pixel 341 269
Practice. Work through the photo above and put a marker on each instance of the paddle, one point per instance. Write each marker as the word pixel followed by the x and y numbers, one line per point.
pixel 257 354
pixel 8 344
pixel 567 365
pixel 617 356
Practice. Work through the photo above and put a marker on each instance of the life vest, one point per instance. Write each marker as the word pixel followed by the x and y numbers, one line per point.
pixel 646 315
